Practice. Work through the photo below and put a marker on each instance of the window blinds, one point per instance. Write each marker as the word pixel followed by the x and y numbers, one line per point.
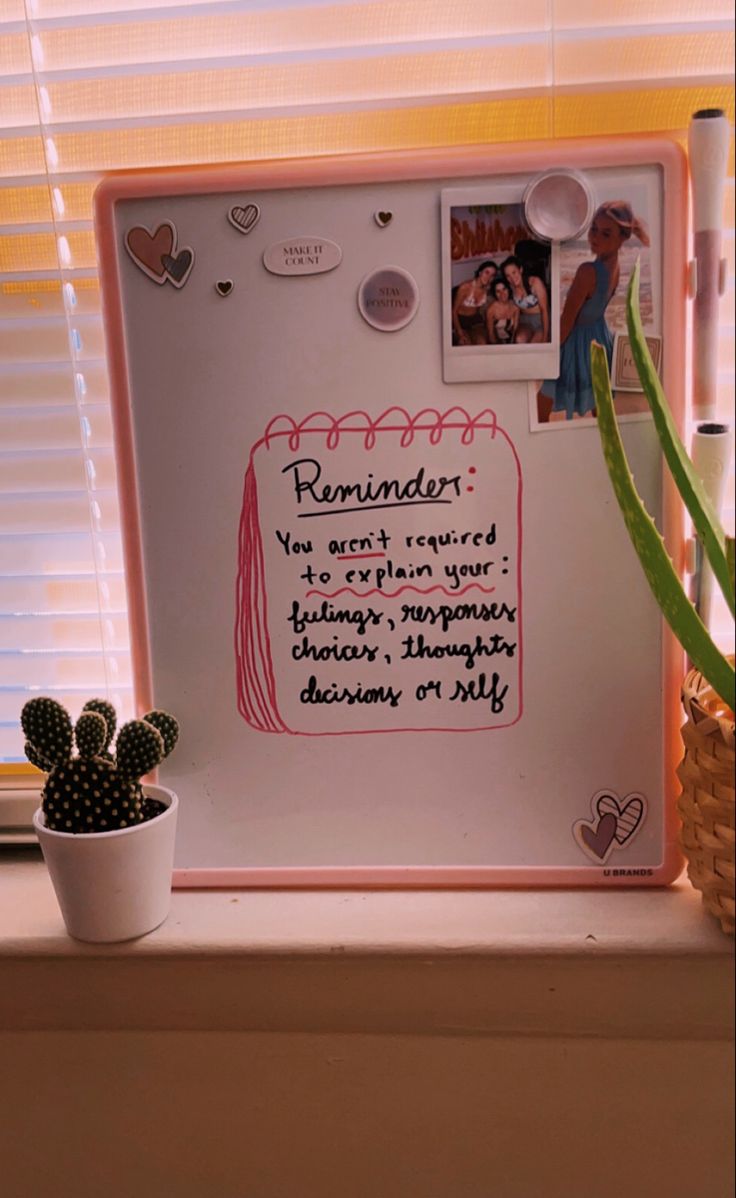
pixel 90 86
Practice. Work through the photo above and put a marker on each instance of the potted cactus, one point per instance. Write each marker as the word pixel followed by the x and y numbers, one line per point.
pixel 108 844
pixel 706 805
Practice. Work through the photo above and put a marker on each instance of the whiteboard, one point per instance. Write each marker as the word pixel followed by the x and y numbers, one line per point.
pixel 398 618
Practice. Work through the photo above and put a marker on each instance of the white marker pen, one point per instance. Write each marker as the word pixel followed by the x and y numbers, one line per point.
pixel 711 456
pixel 708 141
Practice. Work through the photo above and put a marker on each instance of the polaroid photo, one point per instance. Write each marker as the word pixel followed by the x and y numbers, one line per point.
pixel 594 277
pixel 499 288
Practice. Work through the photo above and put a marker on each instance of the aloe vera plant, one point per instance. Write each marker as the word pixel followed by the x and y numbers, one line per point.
pixel 718 548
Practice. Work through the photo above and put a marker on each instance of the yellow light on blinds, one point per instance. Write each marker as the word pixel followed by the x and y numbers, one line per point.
pixel 21 156
pixel 14 53
pixel 636 110
pixel 25 205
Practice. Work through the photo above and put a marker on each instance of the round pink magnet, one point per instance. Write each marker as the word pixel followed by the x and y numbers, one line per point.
pixel 558 205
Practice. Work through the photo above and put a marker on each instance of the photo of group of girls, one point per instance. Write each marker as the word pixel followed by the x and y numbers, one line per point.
pixel 504 299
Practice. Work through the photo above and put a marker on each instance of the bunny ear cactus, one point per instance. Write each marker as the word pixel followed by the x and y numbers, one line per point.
pixel 48 729
pixel 133 746
pixel 661 575
pixel 166 725
pixel 93 792
pixel 139 749
pixel 90 733
pixel 105 709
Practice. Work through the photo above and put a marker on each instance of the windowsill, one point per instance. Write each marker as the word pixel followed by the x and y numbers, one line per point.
pixel 632 963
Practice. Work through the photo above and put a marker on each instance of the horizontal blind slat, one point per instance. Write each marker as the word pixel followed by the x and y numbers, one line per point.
pixel 65 470
pixel 23 514
pixel 282 30
pixel 11 10
pixel 351 80
pixel 40 251
pixel 73 633
pixel 452 74
pixel 43 298
pixel 18 106
pixel 22 156
pixel 57 594
pixel 571 14
pixel 51 384
pixel 15 57
pixel 611 111
pixel 40 670
pixel 55 429
pixel 47 10
pixel 47 339
pixel 51 554
pixel 664 56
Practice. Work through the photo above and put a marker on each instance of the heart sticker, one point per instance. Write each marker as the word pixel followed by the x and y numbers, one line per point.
pixel 148 250
pixel 244 218
pixel 614 823
pixel 383 218
pixel 628 815
pixel 179 268
pixel 598 839
pixel 224 287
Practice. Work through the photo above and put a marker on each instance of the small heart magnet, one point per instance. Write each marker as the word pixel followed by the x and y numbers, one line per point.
pixel 224 287
pixel 179 268
pixel 383 218
pixel 244 218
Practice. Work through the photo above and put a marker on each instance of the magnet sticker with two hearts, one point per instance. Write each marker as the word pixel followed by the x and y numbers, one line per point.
pixel 615 822
pixel 156 254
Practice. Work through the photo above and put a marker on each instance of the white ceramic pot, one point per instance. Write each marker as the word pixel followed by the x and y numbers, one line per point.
pixel 113 885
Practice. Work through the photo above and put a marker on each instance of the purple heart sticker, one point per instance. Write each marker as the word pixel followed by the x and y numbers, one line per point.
pixel 598 839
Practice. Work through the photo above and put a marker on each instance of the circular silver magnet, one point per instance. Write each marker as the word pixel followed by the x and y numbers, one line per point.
pixel 558 205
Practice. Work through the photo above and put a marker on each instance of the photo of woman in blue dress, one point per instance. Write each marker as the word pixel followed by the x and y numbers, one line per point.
pixel 583 320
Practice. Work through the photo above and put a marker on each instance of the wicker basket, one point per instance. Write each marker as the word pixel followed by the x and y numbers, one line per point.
pixel 706 805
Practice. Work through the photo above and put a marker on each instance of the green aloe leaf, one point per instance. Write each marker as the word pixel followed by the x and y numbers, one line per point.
pixel 658 568
pixel 704 517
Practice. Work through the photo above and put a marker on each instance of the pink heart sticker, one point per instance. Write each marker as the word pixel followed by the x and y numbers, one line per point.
pixel 149 249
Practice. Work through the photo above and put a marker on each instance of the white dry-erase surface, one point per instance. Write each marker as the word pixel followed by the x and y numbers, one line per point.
pixel 375 564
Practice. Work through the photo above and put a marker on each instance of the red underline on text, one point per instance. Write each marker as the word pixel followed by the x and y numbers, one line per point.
pixel 352 557
pixel 393 594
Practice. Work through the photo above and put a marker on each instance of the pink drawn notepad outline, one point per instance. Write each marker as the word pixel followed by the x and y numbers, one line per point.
pixel 256 682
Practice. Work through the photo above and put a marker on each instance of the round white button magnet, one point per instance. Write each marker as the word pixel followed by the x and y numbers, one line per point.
pixel 388 298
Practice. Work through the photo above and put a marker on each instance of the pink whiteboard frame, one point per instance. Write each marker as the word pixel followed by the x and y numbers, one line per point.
pixel 393 167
